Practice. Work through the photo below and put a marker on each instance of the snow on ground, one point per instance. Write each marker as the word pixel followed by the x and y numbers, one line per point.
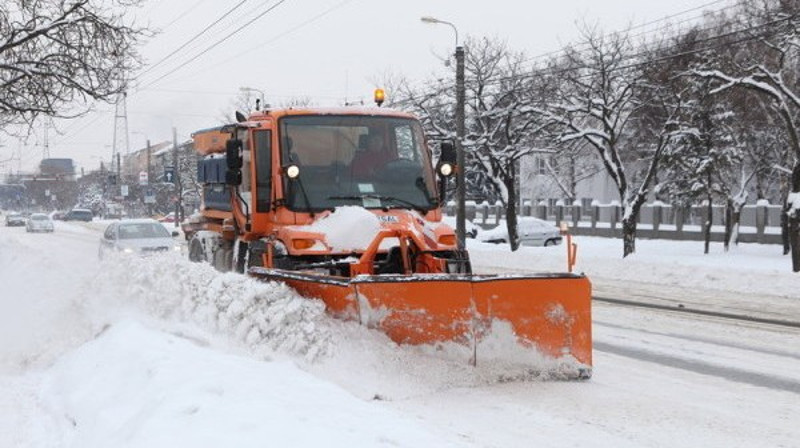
pixel 161 352
pixel 746 278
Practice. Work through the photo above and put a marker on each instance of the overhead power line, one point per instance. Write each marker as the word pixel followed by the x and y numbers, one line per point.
pixel 664 19
pixel 217 43
pixel 275 38
pixel 634 58
pixel 193 38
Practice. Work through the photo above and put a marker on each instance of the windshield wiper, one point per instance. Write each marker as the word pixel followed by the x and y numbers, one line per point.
pixel 380 198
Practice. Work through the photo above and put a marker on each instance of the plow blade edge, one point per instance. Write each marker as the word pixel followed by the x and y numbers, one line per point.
pixel 550 313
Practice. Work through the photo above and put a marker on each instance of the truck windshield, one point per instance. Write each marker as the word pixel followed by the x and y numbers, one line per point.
pixel 375 162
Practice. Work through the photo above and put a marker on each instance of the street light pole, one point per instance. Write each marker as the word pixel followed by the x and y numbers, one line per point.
pixel 461 216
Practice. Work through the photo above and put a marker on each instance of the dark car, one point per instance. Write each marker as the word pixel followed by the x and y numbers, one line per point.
pixel 79 214
pixel 15 220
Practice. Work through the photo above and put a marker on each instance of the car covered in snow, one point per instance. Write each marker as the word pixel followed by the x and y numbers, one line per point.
pixel 471 229
pixel 14 219
pixel 39 222
pixel 532 232
pixel 138 236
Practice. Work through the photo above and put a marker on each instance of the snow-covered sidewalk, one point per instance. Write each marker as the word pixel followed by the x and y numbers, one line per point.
pixel 750 279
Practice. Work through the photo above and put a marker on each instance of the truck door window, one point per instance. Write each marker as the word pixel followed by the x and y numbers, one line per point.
pixel 245 189
pixel 263 156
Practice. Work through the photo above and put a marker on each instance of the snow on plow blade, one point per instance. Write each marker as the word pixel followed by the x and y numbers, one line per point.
pixel 550 312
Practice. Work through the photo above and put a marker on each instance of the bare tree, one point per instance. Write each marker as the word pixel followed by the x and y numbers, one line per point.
pixel 57 56
pixel 603 91
pixel 767 66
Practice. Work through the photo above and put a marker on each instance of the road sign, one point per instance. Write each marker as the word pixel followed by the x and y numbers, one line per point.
pixel 143 178
pixel 123 191
pixel 169 174
pixel 149 197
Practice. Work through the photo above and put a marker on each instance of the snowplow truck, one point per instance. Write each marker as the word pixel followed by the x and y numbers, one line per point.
pixel 345 206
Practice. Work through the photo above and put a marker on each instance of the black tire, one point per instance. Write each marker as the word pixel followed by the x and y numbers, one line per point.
pixel 197 253
pixel 550 242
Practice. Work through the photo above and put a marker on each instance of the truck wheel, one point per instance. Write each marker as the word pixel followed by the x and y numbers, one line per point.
pixel 223 258
pixel 197 253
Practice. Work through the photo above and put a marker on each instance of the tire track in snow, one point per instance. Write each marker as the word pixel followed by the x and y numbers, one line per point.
pixel 732 374
pixel 702 339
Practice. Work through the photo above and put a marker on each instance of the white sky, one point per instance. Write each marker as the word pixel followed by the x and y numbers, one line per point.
pixel 327 50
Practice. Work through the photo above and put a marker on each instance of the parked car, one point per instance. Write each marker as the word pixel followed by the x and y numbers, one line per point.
pixel 140 236
pixel 471 229
pixel 532 232
pixel 39 222
pixel 14 219
pixel 79 214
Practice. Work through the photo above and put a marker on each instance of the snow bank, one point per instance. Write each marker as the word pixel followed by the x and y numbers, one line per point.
pixel 264 316
pixel 136 387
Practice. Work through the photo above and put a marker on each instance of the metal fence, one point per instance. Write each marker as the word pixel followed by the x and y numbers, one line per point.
pixel 758 223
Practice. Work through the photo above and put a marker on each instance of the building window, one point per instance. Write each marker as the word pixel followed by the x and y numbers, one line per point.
pixel 540 165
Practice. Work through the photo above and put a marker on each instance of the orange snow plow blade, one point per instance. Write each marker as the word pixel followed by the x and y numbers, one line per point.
pixel 550 313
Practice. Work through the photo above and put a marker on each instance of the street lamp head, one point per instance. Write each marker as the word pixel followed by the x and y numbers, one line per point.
pixel 433 20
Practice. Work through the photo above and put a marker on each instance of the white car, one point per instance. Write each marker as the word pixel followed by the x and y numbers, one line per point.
pixel 39 222
pixel 471 229
pixel 138 236
pixel 532 232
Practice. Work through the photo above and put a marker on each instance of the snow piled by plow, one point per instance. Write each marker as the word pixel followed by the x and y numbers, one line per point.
pixel 264 316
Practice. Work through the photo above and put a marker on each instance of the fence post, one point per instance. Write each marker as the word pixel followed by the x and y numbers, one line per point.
pixel 680 217
pixel 559 214
pixel 656 218
pixel 595 215
pixel 761 220
pixel 576 215
pixel 614 216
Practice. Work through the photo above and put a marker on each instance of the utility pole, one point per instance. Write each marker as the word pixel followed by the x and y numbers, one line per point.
pixel 460 182
pixel 149 179
pixel 177 180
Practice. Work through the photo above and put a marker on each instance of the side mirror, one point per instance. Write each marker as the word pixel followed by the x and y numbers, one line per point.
pixel 233 156
pixel 233 177
pixel 175 233
pixel 448 153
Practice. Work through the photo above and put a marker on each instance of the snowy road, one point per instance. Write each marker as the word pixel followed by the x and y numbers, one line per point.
pixel 103 355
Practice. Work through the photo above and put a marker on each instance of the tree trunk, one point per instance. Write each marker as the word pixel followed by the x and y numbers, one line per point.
pixel 707 225
pixel 628 235
pixel 785 219
pixel 511 215
pixel 785 238
pixel 728 224
pixel 793 218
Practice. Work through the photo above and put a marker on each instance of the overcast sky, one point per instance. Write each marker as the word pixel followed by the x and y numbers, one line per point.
pixel 328 50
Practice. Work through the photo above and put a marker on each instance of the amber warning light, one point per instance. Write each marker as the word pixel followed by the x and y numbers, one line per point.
pixel 380 95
